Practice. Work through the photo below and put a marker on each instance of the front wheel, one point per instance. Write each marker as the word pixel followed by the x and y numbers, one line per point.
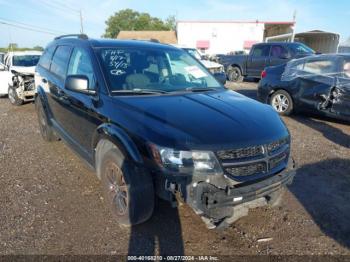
pixel 234 74
pixel 129 193
pixel 13 97
pixel 282 102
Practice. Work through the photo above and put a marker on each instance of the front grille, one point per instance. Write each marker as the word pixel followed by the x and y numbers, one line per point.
pixel 278 160
pixel 247 170
pixel 276 145
pixel 241 153
pixel 254 160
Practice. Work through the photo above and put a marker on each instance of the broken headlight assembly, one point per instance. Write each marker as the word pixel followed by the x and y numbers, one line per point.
pixel 186 162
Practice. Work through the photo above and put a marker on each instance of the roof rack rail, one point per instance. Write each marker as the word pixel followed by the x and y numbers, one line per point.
pixel 80 36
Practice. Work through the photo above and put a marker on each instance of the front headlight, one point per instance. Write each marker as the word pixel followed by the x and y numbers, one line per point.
pixel 186 162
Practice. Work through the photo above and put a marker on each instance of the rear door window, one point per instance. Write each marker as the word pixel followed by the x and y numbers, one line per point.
pixel 278 51
pixel 60 61
pixel 45 59
pixel 261 51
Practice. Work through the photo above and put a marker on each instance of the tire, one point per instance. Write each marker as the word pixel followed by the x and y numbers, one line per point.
pixel 234 74
pixel 128 193
pixel 45 129
pixel 282 102
pixel 13 97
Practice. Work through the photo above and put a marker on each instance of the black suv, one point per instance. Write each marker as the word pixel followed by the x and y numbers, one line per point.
pixel 152 121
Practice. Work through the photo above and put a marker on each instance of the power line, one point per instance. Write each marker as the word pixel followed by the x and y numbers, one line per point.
pixel 65 7
pixel 60 6
pixel 32 26
pixel 27 28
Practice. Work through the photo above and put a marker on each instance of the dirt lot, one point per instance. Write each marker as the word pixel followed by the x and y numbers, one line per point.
pixel 51 203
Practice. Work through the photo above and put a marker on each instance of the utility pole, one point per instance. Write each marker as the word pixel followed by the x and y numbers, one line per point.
pixel 294 25
pixel 81 22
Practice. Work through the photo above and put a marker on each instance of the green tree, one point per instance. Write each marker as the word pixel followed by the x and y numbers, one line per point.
pixel 38 48
pixel 131 20
pixel 171 22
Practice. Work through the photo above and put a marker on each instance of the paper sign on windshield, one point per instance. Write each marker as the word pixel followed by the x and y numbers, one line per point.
pixel 195 71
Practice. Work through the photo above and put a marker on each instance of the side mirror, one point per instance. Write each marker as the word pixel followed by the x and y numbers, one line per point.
pixel 220 77
pixel 78 83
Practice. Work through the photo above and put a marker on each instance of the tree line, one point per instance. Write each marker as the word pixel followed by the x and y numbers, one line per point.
pixel 130 20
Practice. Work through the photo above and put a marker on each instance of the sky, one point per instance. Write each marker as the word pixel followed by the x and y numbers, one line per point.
pixel 62 16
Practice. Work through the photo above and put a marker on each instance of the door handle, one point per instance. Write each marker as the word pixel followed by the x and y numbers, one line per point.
pixel 63 97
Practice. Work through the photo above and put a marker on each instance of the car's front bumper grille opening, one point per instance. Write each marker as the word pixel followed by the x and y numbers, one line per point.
pixel 247 170
pixel 241 153
pixel 278 160
pixel 255 160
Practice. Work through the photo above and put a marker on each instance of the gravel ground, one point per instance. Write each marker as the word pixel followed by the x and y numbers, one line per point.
pixel 51 203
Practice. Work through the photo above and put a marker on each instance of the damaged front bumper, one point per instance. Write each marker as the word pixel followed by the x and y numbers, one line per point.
pixel 225 206
pixel 220 207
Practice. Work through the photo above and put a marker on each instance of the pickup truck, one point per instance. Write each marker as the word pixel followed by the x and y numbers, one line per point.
pixel 262 55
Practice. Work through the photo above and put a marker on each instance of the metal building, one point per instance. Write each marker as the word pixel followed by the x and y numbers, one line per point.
pixel 320 41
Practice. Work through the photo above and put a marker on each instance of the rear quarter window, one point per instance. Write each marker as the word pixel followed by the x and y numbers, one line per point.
pixel 45 59
pixel 319 67
pixel 60 60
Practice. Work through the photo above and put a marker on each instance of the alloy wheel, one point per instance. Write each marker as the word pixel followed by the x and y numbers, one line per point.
pixel 234 75
pixel 117 188
pixel 280 103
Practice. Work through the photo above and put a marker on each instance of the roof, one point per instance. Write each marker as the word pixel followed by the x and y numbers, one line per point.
pixel 108 42
pixel 238 22
pixel 127 43
pixel 167 37
pixel 315 32
pixel 279 43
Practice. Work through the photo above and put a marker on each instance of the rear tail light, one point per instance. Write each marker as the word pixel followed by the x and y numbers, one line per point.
pixel 263 74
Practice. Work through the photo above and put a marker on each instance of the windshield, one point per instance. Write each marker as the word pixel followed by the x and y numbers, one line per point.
pixel 154 69
pixel 26 60
pixel 301 49
pixel 193 52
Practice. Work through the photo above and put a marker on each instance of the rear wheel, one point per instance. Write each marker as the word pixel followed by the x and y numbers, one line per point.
pixel 13 97
pixel 234 74
pixel 129 194
pixel 282 102
pixel 45 129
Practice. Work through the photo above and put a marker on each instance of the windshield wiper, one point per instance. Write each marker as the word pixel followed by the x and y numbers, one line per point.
pixel 138 91
pixel 199 89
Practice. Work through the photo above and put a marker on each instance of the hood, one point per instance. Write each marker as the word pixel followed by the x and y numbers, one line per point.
pixel 210 64
pixel 24 69
pixel 205 121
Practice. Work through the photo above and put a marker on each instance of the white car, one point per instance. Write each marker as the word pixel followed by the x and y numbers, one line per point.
pixel 2 56
pixel 17 74
pixel 213 67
